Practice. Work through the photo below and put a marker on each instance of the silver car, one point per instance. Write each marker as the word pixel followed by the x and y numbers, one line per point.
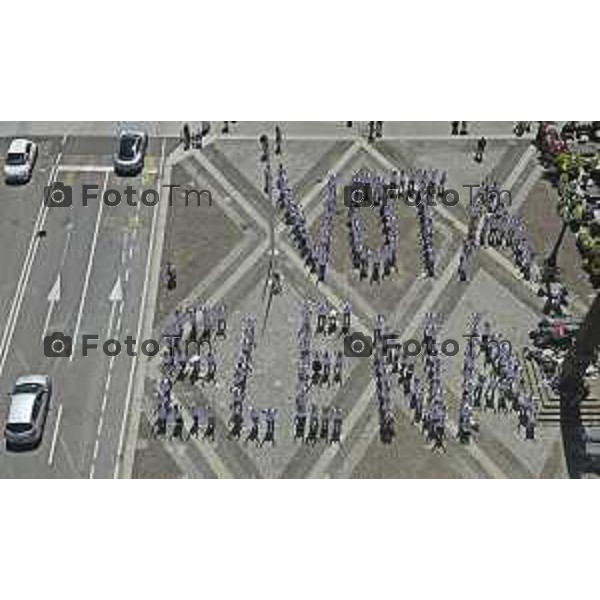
pixel 29 406
pixel 20 161
pixel 131 152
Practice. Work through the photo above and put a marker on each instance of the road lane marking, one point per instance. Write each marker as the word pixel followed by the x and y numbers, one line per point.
pixel 88 274
pixel 69 227
pixel 124 247
pixel 96 169
pixel 116 299
pixel 94 457
pixel 85 169
pixel 100 427
pixel 28 257
pixel 55 435
pixel 141 316
pixel 34 242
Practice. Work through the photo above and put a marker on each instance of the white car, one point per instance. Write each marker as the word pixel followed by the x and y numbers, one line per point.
pixel 20 161
pixel 29 406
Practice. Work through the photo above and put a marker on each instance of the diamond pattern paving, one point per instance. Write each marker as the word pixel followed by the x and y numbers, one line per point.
pixel 273 381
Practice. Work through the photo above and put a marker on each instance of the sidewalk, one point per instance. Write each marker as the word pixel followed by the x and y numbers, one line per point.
pixel 329 129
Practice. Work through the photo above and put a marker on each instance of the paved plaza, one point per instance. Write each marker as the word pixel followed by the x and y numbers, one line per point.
pixel 222 254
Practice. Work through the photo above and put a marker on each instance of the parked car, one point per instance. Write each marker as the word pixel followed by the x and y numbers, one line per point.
pixel 29 406
pixel 131 152
pixel 20 161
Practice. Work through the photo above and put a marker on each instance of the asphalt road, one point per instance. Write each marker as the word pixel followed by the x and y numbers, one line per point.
pixel 86 276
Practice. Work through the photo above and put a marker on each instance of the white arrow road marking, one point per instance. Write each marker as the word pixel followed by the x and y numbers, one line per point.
pixel 117 292
pixel 54 295
pixel 53 299
pixel 115 297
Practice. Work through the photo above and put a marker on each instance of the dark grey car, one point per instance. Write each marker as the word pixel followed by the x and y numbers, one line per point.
pixel 131 152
